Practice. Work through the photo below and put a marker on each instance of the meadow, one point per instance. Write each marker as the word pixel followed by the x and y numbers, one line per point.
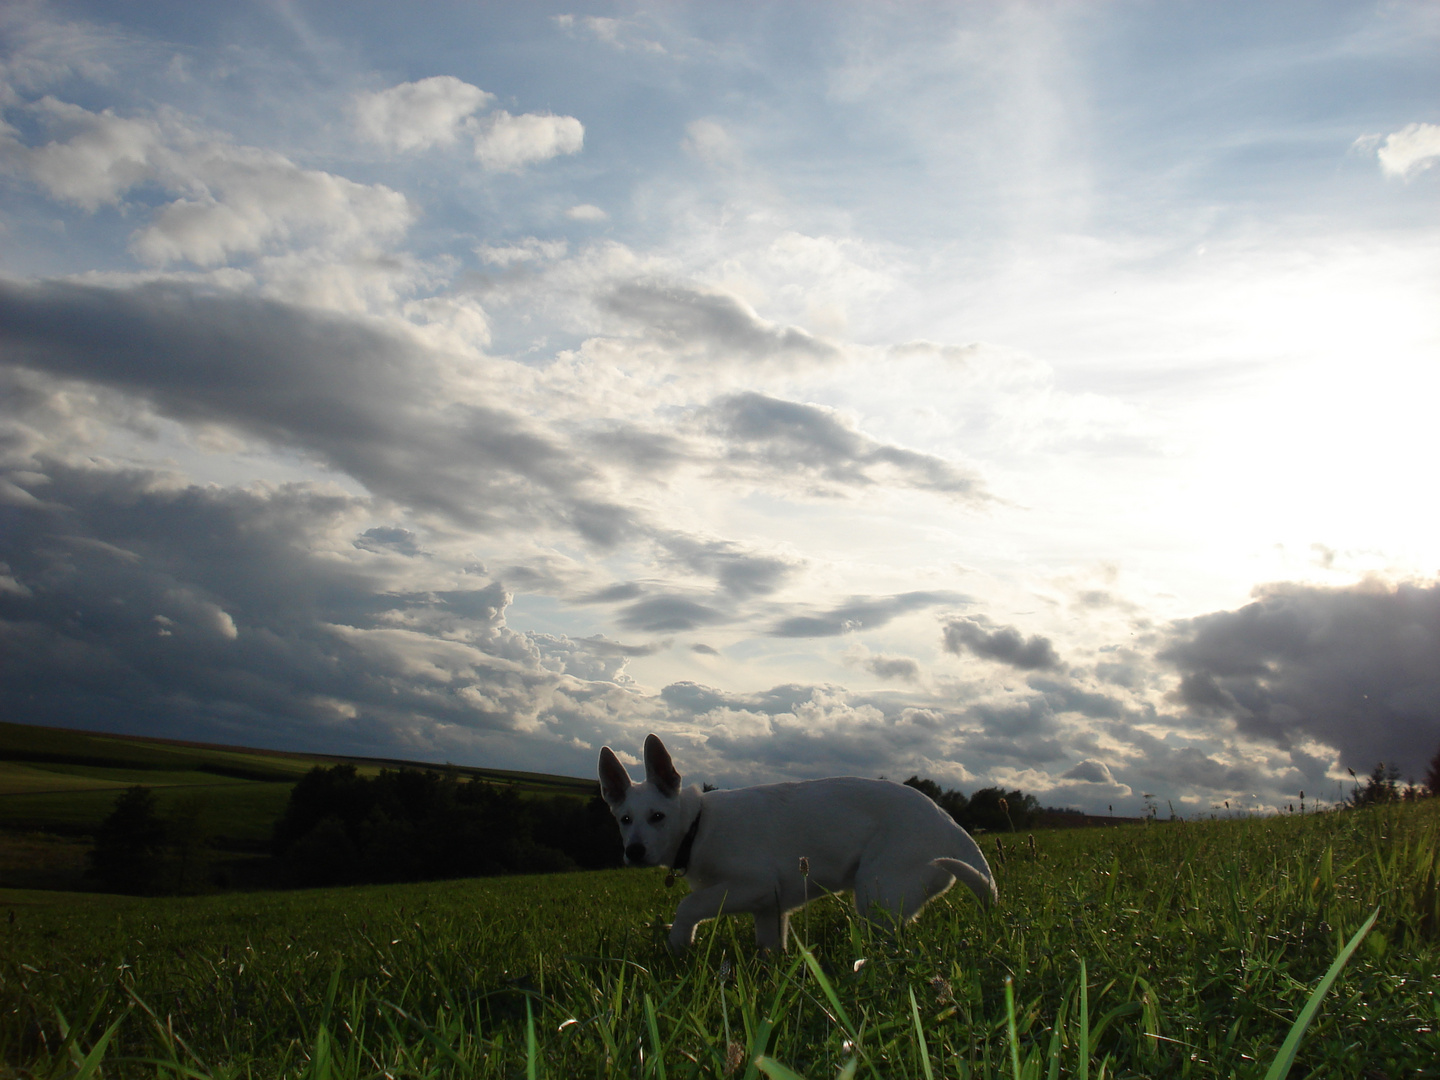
pixel 1177 949
pixel 57 786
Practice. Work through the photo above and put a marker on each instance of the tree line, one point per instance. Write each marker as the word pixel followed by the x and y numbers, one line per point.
pixel 991 809
pixel 1383 785
pixel 341 828
pixel 413 825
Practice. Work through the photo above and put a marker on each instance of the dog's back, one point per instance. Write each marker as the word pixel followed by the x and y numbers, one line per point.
pixel 847 829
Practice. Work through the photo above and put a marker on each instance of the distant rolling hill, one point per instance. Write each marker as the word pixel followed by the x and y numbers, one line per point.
pixel 58 785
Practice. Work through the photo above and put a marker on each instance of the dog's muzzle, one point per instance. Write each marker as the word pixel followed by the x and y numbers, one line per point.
pixel 635 854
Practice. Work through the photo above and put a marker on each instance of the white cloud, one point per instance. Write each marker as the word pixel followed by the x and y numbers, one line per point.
pixel 586 212
pixel 508 143
pixel 619 34
pixel 105 156
pixel 453 323
pixel 233 200
pixel 249 199
pixel 421 114
pixel 1412 149
pixel 530 249
pixel 710 142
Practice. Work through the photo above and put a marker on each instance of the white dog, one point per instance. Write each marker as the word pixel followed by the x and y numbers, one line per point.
pixel 752 849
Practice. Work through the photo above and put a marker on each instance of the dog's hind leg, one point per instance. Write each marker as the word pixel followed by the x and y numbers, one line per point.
pixel 892 896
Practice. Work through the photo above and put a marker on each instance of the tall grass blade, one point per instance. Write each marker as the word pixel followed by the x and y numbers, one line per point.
pixel 1110 1017
pixel 532 1052
pixel 434 1040
pixel 90 1064
pixel 1010 1026
pixel 775 1071
pixel 1084 1070
pixel 1288 1049
pixel 757 1047
pixel 654 1026
pixel 1057 1042
pixel 829 991
pixel 920 1037
pixel 319 1067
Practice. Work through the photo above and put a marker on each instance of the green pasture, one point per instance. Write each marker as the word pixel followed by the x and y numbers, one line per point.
pixel 1167 950
pixel 238 813
pixel 29 744
pixel 67 781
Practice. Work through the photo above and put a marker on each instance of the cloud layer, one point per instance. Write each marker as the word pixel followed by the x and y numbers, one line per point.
pixel 1354 668
pixel 668 372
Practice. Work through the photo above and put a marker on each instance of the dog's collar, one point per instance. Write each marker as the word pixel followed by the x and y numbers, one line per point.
pixel 681 862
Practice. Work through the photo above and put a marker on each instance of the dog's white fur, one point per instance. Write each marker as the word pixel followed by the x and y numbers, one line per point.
pixel 888 842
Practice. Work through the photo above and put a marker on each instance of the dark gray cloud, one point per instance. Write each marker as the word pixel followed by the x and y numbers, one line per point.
pixel 861 613
pixel 355 395
pixel 716 323
pixel 254 617
pixel 651 453
pixel 739 572
pixel 1005 645
pixel 613 594
pixel 893 667
pixel 816 445
pixel 1354 668
pixel 390 538
pixel 1064 695
pixel 659 614
pixel 1089 771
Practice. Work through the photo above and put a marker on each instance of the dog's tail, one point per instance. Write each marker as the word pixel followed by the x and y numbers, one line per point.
pixel 980 882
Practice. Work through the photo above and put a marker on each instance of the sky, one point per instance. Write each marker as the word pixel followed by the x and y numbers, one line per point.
pixel 1021 394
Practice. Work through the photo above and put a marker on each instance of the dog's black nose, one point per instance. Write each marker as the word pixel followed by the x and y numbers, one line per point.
pixel 635 853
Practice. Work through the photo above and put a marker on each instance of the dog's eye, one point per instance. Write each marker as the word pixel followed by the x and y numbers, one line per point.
pixel 626 820
pixel 656 817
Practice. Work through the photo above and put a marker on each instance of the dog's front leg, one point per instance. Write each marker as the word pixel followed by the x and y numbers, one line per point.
pixel 693 910
pixel 772 929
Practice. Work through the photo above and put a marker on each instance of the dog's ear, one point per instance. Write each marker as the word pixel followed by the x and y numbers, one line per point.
pixel 614 780
pixel 659 769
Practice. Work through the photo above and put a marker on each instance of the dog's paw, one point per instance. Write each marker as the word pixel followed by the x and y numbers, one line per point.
pixel 680 940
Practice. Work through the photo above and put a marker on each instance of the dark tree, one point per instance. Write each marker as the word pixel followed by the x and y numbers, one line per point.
pixel 414 825
pixel 952 802
pixel 129 852
pixel 997 810
pixel 992 809
pixel 1381 786
pixel 187 845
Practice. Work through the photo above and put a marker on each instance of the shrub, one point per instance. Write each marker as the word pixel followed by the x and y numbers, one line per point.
pixel 129 852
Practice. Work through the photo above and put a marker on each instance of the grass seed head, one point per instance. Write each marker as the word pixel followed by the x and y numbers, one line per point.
pixel 734 1058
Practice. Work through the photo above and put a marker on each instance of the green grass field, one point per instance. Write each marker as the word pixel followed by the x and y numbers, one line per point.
pixel 1200 944
pixel 57 786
